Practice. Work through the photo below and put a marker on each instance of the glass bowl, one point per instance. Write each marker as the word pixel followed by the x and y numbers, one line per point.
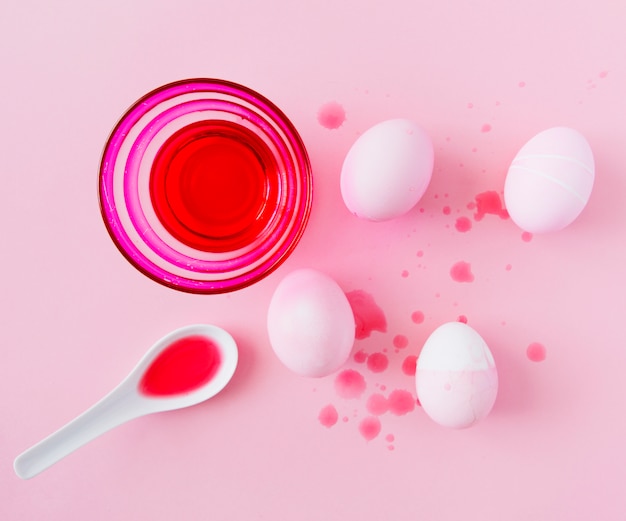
pixel 205 186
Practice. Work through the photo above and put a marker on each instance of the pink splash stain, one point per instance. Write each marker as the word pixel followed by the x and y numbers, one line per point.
pixel 377 404
pixel 417 317
pixel 400 341
pixel 350 384
pixel 377 362
pixel 369 427
pixel 390 438
pixel 367 315
pixel 360 357
pixel 331 115
pixel 527 236
pixel 400 402
pixel 462 272
pixel 536 352
pixel 521 84
pixel 462 319
pixel 409 364
pixel 328 416
pixel 486 128
pixel 489 202
pixel 447 210
pixel 404 274
pixel 603 74
pixel 463 224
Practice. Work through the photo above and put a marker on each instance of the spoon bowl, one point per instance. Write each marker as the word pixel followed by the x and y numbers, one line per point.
pixel 184 368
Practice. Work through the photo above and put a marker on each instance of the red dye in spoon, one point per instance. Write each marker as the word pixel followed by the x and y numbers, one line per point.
pixel 182 367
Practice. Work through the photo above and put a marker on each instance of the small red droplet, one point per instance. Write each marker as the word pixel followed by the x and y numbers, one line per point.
pixel 409 365
pixel 331 115
pixel 462 272
pixel 377 362
pixel 328 416
pixel 369 427
pixel 536 352
pixel 417 317
pixel 360 356
pixel 400 341
pixel 463 224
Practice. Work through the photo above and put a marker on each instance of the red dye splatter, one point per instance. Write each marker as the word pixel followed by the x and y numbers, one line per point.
pixel 462 318
pixel 331 115
pixel 463 224
pixel 390 438
pixel 400 341
pixel 367 315
pixel 405 274
pixel 377 404
pixel 350 384
pixel 527 236
pixel 328 416
pixel 369 427
pixel 400 402
pixel 409 364
pixel 462 272
pixel 486 128
pixel 489 202
pixel 536 352
pixel 420 253
pixel 360 356
pixel 446 210
pixel 377 362
pixel 417 317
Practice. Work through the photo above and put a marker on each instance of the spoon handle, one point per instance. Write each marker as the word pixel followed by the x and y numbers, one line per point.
pixel 118 407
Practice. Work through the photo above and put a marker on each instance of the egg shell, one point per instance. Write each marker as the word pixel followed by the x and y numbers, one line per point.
pixel 387 170
pixel 550 180
pixel 310 323
pixel 456 376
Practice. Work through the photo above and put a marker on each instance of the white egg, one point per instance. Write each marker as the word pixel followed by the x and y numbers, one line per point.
pixel 550 180
pixel 310 323
pixel 387 170
pixel 456 376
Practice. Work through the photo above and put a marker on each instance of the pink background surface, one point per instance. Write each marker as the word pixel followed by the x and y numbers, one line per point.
pixel 75 316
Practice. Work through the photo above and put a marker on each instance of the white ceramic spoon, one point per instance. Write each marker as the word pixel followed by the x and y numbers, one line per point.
pixel 186 367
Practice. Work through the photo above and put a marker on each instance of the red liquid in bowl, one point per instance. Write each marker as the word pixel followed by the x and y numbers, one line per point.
pixel 215 186
pixel 184 366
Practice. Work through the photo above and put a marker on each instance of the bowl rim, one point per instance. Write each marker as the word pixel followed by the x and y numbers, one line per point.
pixel 302 169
